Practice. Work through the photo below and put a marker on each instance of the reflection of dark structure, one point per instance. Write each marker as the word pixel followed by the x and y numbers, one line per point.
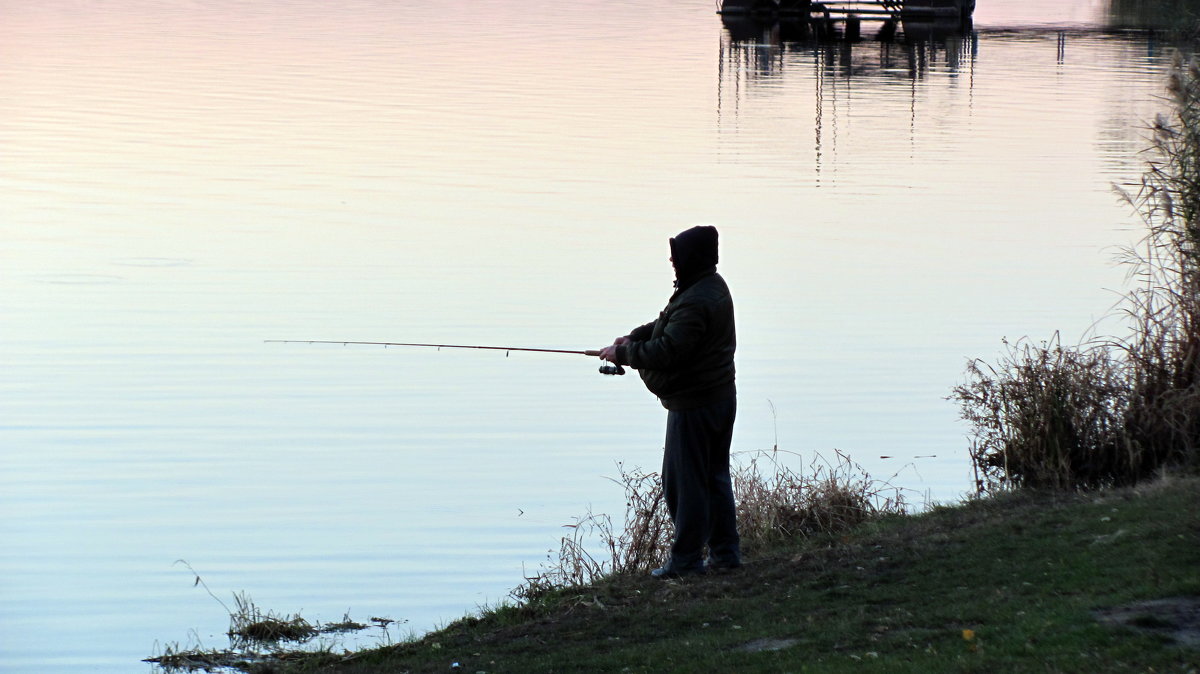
pixel 761 48
pixel 822 18
pixel 820 72
pixel 759 51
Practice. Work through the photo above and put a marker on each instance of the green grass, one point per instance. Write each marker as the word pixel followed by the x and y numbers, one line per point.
pixel 1028 574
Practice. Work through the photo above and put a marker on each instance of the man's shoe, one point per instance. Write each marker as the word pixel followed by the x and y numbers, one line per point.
pixel 668 572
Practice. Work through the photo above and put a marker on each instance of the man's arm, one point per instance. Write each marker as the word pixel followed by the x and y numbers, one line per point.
pixel 640 333
pixel 685 328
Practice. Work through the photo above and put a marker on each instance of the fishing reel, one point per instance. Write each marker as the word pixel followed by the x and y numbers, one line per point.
pixel 612 368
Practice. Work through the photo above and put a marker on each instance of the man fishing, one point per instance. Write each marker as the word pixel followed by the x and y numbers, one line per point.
pixel 685 357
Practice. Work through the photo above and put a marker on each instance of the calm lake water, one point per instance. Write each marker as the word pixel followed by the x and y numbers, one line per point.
pixel 181 181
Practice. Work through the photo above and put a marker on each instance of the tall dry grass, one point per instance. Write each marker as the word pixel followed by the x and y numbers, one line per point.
pixel 1163 350
pixel 1119 411
pixel 1047 416
pixel 774 503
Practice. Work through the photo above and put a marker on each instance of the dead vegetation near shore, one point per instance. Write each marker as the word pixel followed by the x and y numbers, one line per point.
pixel 1113 411
pixel 257 637
pixel 775 503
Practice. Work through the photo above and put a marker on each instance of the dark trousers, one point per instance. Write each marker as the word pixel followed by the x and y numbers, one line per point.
pixel 697 486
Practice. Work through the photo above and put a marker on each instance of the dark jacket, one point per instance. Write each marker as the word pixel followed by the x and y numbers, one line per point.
pixel 685 357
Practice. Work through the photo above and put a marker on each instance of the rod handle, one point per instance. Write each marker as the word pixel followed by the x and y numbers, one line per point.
pixel 591 353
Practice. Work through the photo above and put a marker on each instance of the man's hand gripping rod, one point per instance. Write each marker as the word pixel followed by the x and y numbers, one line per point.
pixel 604 369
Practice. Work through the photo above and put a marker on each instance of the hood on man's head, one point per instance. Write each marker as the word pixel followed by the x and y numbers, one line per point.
pixel 694 251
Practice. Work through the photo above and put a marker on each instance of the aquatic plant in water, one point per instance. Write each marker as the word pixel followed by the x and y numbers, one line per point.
pixel 256 636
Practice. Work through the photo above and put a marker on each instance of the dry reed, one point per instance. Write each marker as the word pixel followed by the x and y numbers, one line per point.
pixel 1120 411
pixel 1047 416
pixel 1164 307
pixel 776 503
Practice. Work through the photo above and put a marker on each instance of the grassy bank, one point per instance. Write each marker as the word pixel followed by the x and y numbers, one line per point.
pixel 1020 582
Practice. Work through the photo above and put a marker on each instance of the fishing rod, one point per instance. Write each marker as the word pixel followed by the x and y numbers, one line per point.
pixel 604 369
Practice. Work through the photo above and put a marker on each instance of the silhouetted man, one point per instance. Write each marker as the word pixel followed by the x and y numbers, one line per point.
pixel 685 357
